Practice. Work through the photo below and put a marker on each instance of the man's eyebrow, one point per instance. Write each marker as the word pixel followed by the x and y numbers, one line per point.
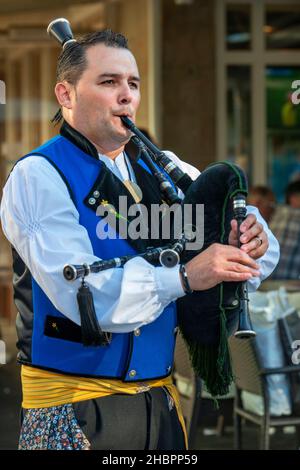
pixel 118 75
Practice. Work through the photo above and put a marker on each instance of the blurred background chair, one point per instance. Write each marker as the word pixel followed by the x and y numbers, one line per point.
pixel 251 377
pixel 285 225
pixel 7 308
pixel 189 387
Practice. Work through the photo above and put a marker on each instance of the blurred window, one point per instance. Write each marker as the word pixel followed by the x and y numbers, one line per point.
pixel 282 26
pixel 283 128
pixel 238 31
pixel 239 116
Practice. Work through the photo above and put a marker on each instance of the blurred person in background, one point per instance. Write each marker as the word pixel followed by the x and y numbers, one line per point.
pixel 264 199
pixel 285 225
pixel 292 194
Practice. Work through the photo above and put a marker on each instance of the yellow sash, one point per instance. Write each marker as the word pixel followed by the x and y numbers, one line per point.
pixel 43 389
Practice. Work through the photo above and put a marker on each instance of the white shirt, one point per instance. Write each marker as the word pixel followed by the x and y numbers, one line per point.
pixel 41 222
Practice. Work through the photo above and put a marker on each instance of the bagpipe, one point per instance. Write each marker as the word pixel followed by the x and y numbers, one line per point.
pixel 206 318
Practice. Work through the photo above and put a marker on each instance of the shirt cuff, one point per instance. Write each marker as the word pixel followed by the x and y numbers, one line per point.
pixel 253 284
pixel 168 283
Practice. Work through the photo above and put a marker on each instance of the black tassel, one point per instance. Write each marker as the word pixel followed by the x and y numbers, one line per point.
pixel 57 117
pixel 92 334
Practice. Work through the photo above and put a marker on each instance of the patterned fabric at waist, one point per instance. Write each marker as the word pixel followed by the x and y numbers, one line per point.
pixel 43 389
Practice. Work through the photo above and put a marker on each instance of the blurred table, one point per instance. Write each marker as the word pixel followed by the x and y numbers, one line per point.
pixel 292 285
pixel 292 288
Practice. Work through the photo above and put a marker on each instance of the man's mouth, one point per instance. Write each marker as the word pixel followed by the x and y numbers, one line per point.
pixel 123 114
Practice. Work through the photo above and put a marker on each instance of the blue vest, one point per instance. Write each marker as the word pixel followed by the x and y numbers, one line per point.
pixel 142 355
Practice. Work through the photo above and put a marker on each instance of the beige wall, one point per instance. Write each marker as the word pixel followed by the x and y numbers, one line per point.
pixel 36 62
pixel 29 66
pixel 175 51
pixel 137 34
pixel 188 80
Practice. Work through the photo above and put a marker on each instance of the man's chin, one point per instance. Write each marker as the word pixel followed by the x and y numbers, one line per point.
pixel 124 136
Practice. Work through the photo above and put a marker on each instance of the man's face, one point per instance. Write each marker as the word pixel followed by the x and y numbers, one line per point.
pixel 265 204
pixel 108 88
pixel 294 200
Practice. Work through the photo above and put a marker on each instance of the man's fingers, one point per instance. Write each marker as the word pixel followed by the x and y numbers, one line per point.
pixel 220 263
pixel 255 253
pixel 255 230
pixel 248 222
pixel 255 244
pixel 233 224
pixel 251 228
pixel 256 247
pixel 235 254
pixel 241 268
pixel 258 252
pixel 232 238
pixel 238 277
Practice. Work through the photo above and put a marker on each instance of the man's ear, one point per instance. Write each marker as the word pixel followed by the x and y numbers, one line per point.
pixel 63 91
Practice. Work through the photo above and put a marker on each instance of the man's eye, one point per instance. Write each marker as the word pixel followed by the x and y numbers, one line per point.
pixel 108 82
pixel 133 85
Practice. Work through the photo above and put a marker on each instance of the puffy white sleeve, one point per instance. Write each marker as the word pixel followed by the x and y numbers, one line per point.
pixel 40 220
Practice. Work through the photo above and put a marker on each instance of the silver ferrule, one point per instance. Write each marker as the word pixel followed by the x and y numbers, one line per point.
pixel 87 269
pixel 68 42
pixel 239 203
pixel 169 167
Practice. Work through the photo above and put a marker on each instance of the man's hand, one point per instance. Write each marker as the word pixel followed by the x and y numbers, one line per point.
pixel 254 239
pixel 220 263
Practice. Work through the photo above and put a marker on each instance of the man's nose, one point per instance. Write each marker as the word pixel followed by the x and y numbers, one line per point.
pixel 125 95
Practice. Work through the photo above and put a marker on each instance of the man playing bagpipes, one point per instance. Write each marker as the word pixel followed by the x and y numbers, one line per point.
pixel 97 353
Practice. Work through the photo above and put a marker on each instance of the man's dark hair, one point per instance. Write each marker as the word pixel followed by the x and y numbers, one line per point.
pixel 292 188
pixel 72 61
pixel 263 191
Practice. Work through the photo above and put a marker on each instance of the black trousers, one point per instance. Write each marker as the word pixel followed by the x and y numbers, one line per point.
pixel 146 421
